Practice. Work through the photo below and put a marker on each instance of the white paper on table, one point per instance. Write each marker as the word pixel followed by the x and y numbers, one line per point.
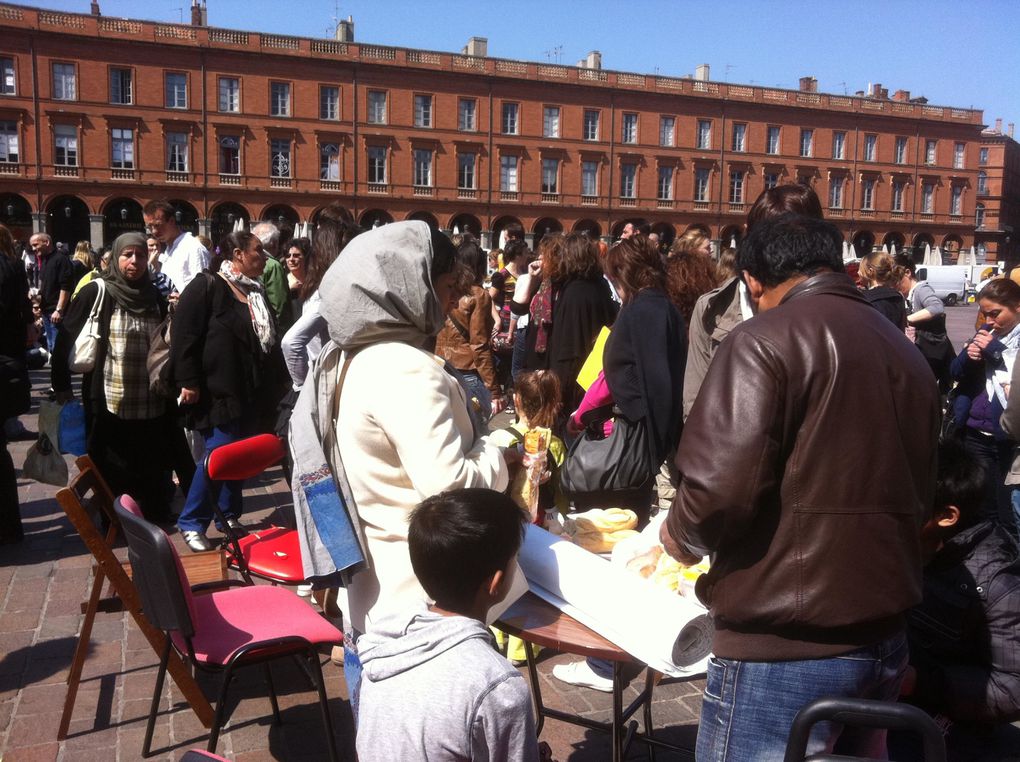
pixel 644 620
pixel 518 587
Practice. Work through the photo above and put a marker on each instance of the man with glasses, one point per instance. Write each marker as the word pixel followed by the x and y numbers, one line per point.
pixel 185 257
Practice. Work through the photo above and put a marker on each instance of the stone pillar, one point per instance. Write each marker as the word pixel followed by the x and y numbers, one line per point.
pixel 38 222
pixel 96 231
pixel 487 239
pixel 529 238
pixel 205 228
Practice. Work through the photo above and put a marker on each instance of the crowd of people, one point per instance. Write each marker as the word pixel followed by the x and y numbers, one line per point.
pixel 862 543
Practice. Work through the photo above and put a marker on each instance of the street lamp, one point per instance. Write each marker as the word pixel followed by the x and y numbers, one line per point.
pixel 178 216
pixel 124 213
pixel 68 210
pixel 10 210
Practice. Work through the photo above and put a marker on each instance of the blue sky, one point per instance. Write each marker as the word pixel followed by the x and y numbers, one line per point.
pixel 956 53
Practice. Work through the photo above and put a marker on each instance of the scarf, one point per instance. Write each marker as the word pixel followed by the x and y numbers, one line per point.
pixel 261 318
pixel 137 297
pixel 999 374
pixel 542 314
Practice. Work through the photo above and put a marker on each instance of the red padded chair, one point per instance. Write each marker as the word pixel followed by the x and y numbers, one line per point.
pixel 273 553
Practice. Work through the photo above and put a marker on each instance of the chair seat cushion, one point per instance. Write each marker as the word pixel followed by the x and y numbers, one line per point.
pixel 273 553
pixel 231 619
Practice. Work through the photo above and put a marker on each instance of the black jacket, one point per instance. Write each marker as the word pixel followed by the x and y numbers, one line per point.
pixel 889 302
pixel 56 275
pixel 582 308
pixel 15 309
pixel 965 635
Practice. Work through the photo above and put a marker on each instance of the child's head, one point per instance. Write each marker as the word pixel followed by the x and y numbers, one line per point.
pixel 461 544
pixel 537 397
pixel 959 493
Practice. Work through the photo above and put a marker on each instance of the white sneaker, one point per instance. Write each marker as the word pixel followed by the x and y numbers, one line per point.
pixel 304 590
pixel 580 674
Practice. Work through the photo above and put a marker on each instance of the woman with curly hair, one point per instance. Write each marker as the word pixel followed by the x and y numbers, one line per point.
pixel 689 274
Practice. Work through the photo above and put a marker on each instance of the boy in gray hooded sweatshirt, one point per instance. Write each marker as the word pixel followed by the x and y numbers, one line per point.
pixel 433 686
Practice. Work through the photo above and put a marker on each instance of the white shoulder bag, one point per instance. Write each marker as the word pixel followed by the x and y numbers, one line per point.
pixel 86 346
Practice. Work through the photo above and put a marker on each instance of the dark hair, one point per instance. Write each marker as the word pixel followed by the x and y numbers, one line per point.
pixel 1001 291
pixel 579 259
pixel 961 482
pixel 726 267
pixel 688 276
pixel 160 205
pixel 332 234
pixel 302 244
pixel 514 231
pixel 795 198
pixel 635 264
pixel 776 250
pixel 514 249
pixel 239 239
pixel 539 395
pixel 444 255
pixel 907 264
pixel 473 259
pixel 458 539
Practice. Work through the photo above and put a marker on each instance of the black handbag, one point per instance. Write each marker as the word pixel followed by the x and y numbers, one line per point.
pixel 15 388
pixel 601 465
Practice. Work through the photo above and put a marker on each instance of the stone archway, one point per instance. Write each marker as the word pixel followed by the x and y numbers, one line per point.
pixel 589 228
pixel 863 242
pixel 16 215
pixel 224 218
pixel 67 221
pixel 121 215
pixel 284 217
pixel 427 217
pixel 373 218
pixel 466 223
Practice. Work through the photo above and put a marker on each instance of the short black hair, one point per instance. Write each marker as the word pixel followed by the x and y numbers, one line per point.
pixel 460 538
pixel 444 255
pixel 514 249
pixel 776 250
pixel 961 482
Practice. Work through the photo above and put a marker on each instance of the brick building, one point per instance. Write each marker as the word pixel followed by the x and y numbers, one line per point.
pixel 99 115
pixel 997 213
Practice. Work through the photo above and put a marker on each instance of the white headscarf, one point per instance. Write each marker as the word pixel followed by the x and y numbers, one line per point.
pixel 258 308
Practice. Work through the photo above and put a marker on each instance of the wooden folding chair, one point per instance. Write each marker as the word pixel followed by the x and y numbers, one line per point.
pixel 89 488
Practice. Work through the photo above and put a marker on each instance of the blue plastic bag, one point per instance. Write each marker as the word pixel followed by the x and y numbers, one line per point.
pixel 71 434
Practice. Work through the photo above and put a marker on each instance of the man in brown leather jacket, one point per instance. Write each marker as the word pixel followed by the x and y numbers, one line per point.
pixel 807 468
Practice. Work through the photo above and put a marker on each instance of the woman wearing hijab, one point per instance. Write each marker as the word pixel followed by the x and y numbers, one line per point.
pixel 225 361
pixel 130 430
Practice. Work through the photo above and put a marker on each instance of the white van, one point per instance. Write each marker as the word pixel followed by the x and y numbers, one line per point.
pixel 950 282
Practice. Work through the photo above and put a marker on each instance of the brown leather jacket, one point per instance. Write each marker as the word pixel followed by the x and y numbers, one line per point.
pixel 466 343
pixel 807 468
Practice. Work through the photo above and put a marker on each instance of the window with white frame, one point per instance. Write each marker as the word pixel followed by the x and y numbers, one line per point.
pixel 175 89
pixel 870 147
pixel 591 125
pixel 772 141
pixel 629 134
pixel 703 137
pixel 377 165
pixel 589 178
pixel 8 78
pixel 65 82
pixel 737 186
pixel 551 121
pixel 898 193
pixel 771 180
pixel 956 200
pixel 122 148
pixel 901 150
pixel 930 147
pixel 466 114
pixel 665 185
pixel 9 152
pixel 279 157
pixel 702 176
pixel 927 198
pixel 466 177
pixel 230 94
pixel 509 121
pixel 121 86
pixel 838 144
pixel 982 183
pixel 508 173
pixel 550 175
pixel 279 99
pixel 979 216
pixel 329 102
pixel 377 107
pixel 807 142
pixel 959 149
pixel 230 155
pixel 739 137
pixel 423 167
pixel 983 156
pixel 65 145
pixel 667 131
pixel 628 180
pixel 177 152
pixel 329 161
pixel 868 193
pixel 836 192
pixel 423 111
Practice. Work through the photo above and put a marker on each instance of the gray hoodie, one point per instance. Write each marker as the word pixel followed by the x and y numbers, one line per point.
pixel 434 688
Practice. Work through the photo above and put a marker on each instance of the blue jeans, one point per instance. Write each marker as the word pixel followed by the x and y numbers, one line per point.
pixel 50 330
pixel 749 707
pixel 476 388
pixel 517 358
pixel 197 513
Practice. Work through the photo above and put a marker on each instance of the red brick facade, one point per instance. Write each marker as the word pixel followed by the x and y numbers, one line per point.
pixel 998 197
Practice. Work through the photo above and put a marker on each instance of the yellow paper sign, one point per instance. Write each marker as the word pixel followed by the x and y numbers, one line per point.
pixel 593 365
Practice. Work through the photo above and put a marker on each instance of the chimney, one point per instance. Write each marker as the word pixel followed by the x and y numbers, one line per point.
pixel 859 93
pixel 591 61
pixel 808 85
pixel 345 29
pixel 701 72
pixel 199 15
pixel 1009 129
pixel 998 125
pixel 95 8
pixel 477 46
pixel 901 95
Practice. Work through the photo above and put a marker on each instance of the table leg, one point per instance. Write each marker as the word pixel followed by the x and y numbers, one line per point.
pixel 80 652
pixel 536 688
pixel 617 729
pixel 650 681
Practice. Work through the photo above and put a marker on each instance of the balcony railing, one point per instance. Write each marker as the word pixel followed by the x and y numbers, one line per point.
pixel 122 174
pixel 65 170
pixel 702 206
pixel 378 188
pixel 10 168
pixel 230 179
pixel 550 198
pixel 177 177
pixel 280 182
pixel 423 190
pixel 508 196
pixel 664 203
pixel 866 213
pixel 467 193
pixel 589 200
pixel 628 201
pixel 329 185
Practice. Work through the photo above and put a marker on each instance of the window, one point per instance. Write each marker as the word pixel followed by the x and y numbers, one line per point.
pixel 120 86
pixel 550 175
pixel 64 82
pixel 807 139
pixel 958 152
pixel 466 119
pixel 377 108
pixel 423 167
pixel 929 151
pixel 423 111
pixel 551 121
pixel 175 87
pixel 665 184
pixel 509 120
pixel 982 154
pixel 956 200
pixel 508 172
pixel 8 80
pixel 329 103
pixel 739 137
pixel 836 192
pixel 589 178
pixel 628 180
pixel 65 145
pixel 629 128
pixel 737 187
pixel 772 144
pixel 279 157
pixel 868 193
pixel 122 148
pixel 982 183
pixel 667 130
pixel 927 198
pixel 870 144
pixel 701 179
pixel 704 135
pixel 9 143
pixel 230 155
pixel 901 150
pixel 771 180
pixel 177 152
pixel 591 125
pixel 279 99
pixel 838 145
pixel 377 162
pixel 979 216
pixel 230 94
pixel 329 161
pixel 898 189
pixel 466 170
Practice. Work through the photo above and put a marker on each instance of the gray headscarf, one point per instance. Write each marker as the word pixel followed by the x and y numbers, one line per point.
pixel 381 289
pixel 138 296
